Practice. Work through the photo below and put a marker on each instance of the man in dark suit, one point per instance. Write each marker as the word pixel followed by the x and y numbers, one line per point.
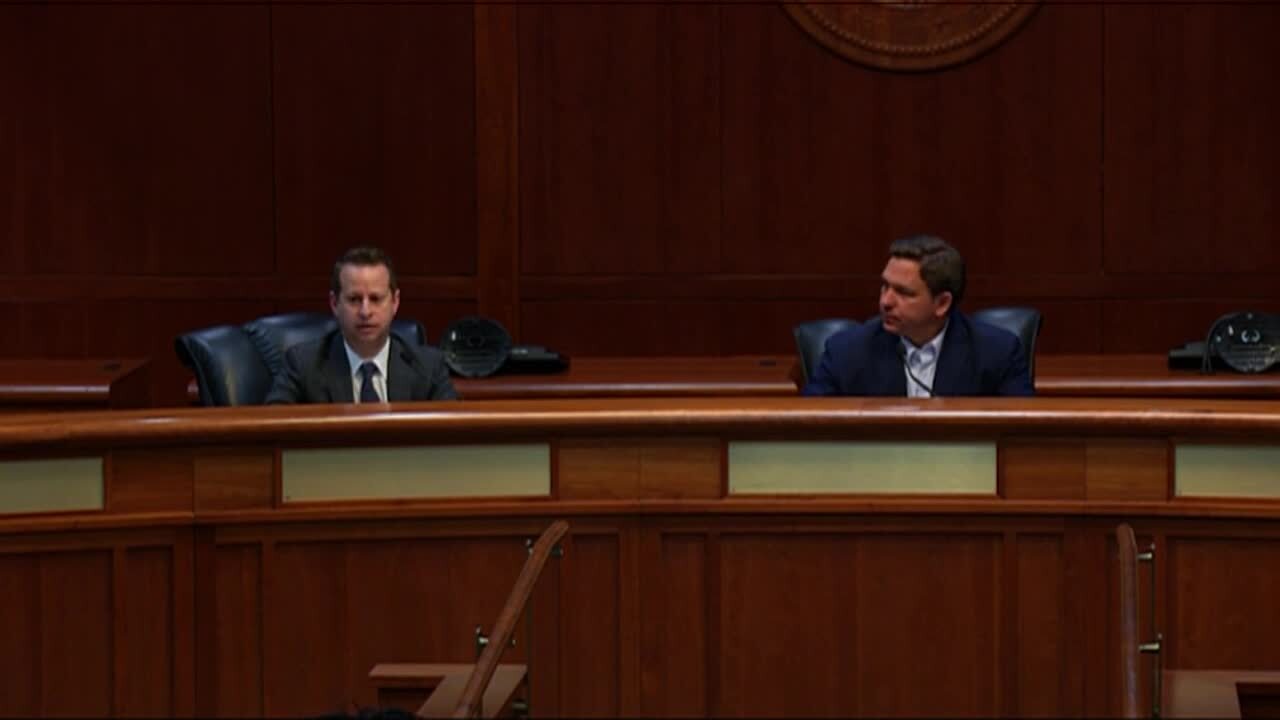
pixel 922 345
pixel 362 361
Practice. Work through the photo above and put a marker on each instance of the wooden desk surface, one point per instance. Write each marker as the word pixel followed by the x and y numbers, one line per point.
pixel 1143 376
pixel 37 384
pixel 747 375
pixel 778 376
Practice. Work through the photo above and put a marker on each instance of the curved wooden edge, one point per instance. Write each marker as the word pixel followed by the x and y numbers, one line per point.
pixel 791 507
pixel 500 638
pixel 736 417
pixel 1128 552
pixel 92 520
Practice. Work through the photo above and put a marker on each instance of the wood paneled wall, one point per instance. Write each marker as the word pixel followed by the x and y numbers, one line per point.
pixel 660 616
pixel 622 179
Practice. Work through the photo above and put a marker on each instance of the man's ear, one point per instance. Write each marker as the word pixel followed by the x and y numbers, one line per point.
pixel 333 303
pixel 942 304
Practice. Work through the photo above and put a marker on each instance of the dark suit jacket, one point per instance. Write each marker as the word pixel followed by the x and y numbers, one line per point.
pixel 977 359
pixel 317 371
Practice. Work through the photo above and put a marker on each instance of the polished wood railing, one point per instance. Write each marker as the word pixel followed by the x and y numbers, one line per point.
pixel 504 628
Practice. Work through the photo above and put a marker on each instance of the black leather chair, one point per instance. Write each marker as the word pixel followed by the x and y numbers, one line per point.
pixel 234 365
pixel 1023 322
pixel 228 369
pixel 811 339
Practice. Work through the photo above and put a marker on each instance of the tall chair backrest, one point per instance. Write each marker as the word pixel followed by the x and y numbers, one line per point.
pixel 1131 646
pixel 409 330
pixel 811 340
pixel 1024 322
pixel 235 365
pixel 228 369
pixel 273 335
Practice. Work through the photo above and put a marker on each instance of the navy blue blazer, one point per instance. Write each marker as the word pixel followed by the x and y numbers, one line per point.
pixel 977 359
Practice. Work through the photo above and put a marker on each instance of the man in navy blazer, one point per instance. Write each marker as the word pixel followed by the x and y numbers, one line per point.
pixel 922 345
pixel 362 361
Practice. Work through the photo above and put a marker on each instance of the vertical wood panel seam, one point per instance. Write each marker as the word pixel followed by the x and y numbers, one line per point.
pixel 712 605
pixel 1007 650
pixel 40 652
pixel 117 671
pixel 266 550
pixel 271 142
pixel 183 659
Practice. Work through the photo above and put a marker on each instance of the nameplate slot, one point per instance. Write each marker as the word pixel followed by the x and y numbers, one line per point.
pixel 780 468
pixel 45 486
pixel 1251 471
pixel 438 471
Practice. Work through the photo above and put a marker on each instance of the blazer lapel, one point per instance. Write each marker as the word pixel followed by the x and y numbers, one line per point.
pixel 889 366
pixel 953 365
pixel 337 372
pixel 400 374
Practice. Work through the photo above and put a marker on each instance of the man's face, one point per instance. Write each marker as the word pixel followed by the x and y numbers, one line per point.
pixel 907 307
pixel 365 306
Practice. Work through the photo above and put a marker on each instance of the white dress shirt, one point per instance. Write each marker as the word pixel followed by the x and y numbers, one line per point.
pixel 379 378
pixel 923 363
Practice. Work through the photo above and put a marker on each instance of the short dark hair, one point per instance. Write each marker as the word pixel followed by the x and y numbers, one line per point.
pixel 941 266
pixel 364 256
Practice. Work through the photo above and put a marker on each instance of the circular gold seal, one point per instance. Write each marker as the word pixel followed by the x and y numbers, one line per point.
pixel 912 35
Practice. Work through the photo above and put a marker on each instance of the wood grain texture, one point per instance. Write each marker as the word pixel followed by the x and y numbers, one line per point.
pixel 144 678
pixel 76 638
pixel 140 140
pixel 1216 588
pixel 1189 102
pixel 831 161
pixel 896 616
pixel 20 675
pixel 514 421
pixel 1042 468
pixel 234 478
pixel 649 469
pixel 375 135
pixel 497 116
pixel 619 124
pixel 150 481
pixel 1039 634
pixel 675 610
pixel 711 170
pixel 1128 469
pixel 725 613
pixel 235 669
pixel 33 384
pixel 305 632
pixel 591 584
pixel 771 590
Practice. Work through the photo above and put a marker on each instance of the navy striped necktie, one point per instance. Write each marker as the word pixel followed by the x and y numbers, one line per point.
pixel 367 392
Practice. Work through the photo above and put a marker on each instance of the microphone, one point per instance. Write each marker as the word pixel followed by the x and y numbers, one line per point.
pixel 902 356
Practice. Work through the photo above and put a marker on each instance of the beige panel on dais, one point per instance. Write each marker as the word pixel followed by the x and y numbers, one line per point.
pixel 58 485
pixel 862 467
pixel 440 471
pixel 1227 471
